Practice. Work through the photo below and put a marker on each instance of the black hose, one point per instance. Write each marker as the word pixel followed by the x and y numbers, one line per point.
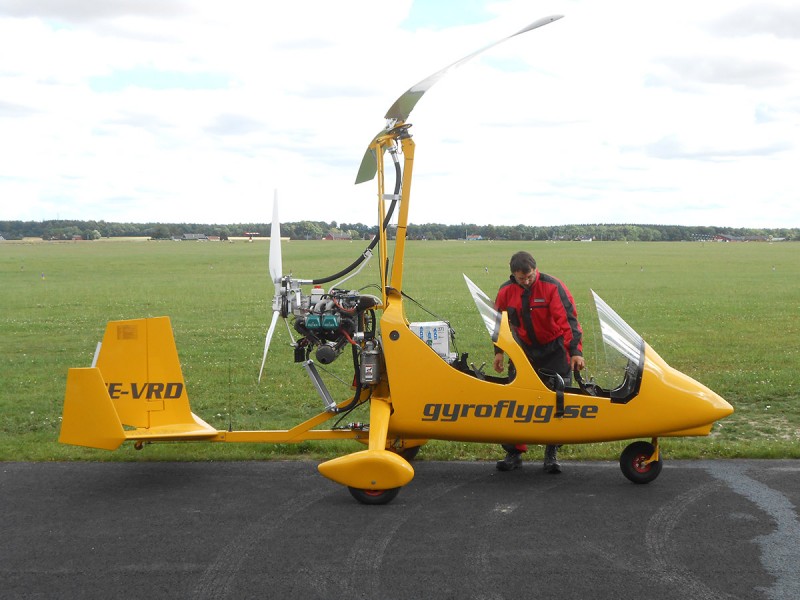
pixel 357 396
pixel 373 243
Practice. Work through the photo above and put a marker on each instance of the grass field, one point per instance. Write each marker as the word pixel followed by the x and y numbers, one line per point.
pixel 726 314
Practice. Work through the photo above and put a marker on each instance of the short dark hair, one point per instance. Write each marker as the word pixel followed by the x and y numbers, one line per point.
pixel 522 261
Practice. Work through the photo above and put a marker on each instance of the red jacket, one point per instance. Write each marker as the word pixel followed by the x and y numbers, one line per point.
pixel 544 319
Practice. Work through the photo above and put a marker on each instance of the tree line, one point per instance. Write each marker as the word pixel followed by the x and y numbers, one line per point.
pixel 309 230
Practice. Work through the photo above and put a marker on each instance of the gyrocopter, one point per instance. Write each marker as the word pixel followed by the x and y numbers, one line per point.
pixel 415 391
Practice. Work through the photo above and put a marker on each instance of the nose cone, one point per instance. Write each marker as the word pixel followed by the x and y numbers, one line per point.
pixel 708 402
pixel 690 402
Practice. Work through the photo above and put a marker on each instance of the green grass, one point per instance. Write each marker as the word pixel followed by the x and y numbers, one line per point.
pixel 726 314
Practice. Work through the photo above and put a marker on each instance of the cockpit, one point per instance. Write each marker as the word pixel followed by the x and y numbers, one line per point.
pixel 618 360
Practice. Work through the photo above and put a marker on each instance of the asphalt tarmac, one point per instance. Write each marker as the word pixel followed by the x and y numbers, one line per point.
pixel 702 530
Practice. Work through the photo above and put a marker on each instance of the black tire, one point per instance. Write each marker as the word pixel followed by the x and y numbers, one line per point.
pixel 410 453
pixel 374 497
pixel 633 466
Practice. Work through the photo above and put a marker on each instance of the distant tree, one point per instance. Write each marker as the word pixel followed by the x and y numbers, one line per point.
pixel 65 229
pixel 160 232
pixel 308 230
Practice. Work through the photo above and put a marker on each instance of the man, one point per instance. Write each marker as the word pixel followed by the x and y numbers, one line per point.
pixel 542 312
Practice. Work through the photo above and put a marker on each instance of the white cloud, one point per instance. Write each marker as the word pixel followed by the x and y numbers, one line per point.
pixel 129 110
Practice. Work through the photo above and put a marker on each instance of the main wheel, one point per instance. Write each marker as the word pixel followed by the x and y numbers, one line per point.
pixel 633 463
pixel 408 449
pixel 410 453
pixel 374 496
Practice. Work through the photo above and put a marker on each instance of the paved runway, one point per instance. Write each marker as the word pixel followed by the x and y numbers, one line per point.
pixel 707 530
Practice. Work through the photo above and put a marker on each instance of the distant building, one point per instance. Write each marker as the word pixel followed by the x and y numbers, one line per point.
pixel 735 238
pixel 194 237
pixel 338 236
pixel 473 237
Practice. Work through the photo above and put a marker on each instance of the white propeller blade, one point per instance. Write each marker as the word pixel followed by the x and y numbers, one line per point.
pixel 275 258
pixel 270 331
pixel 275 273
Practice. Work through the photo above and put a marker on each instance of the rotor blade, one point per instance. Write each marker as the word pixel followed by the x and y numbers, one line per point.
pixel 403 106
pixel 369 164
pixel 270 331
pixel 275 258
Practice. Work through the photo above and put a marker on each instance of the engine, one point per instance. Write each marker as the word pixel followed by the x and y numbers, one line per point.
pixel 330 321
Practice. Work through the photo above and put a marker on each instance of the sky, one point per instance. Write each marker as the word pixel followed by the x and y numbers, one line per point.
pixel 674 113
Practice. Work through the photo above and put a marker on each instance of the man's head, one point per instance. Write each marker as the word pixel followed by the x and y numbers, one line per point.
pixel 523 268
pixel 522 261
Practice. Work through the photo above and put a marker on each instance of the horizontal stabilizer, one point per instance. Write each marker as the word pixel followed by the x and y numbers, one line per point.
pixel 199 430
pixel 89 418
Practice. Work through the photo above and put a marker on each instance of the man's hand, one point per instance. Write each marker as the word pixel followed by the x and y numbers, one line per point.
pixel 497 365
pixel 577 363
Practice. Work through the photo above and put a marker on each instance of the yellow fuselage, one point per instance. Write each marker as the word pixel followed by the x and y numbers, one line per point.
pixel 433 400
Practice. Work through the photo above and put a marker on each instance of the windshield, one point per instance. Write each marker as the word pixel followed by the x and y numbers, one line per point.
pixel 491 318
pixel 621 361
pixel 617 333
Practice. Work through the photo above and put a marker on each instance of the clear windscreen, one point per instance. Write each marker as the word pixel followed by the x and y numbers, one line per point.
pixel 617 334
pixel 491 317
pixel 617 361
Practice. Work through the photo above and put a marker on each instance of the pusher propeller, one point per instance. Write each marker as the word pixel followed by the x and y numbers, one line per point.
pixel 402 107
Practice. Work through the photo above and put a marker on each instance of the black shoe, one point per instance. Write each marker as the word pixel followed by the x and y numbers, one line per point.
pixel 512 461
pixel 551 464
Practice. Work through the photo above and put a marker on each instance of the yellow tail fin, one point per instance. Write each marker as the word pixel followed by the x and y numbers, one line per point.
pixel 137 382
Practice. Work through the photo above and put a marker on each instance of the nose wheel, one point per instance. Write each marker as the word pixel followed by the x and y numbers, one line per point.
pixel 374 496
pixel 640 462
